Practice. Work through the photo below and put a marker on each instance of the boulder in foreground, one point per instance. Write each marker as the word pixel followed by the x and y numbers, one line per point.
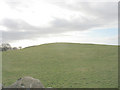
pixel 27 82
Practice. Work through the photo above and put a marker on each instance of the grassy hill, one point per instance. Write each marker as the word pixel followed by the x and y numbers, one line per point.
pixel 64 65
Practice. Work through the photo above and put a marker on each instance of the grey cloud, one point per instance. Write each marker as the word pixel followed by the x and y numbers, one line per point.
pixel 106 14
pixel 76 24
pixel 104 10
pixel 16 24
pixel 16 28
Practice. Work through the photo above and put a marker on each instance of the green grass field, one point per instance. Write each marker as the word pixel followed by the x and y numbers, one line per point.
pixel 64 65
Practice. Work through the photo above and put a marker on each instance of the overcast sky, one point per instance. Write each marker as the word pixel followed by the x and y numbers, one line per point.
pixel 32 22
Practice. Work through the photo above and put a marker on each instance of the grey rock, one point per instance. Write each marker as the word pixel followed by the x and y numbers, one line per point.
pixel 0 86
pixel 27 82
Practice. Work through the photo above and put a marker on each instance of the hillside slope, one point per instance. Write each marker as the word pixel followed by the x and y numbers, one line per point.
pixel 64 65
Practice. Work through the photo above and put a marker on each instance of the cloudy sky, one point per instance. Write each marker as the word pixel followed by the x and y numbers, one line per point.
pixel 32 22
